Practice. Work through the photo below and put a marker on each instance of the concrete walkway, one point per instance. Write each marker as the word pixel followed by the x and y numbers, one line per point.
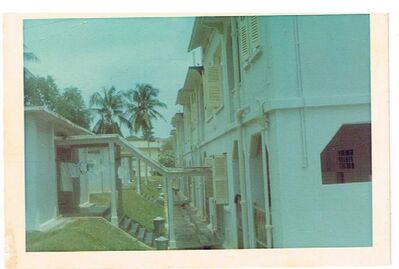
pixel 190 231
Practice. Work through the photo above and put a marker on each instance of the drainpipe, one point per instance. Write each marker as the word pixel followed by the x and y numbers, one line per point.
pixel 265 140
pixel 300 93
pixel 241 160
pixel 169 197
pixel 236 67
pixel 114 199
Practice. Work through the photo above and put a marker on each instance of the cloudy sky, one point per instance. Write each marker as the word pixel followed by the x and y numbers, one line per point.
pixel 93 53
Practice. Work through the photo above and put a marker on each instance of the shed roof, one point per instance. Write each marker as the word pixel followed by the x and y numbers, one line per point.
pixel 62 126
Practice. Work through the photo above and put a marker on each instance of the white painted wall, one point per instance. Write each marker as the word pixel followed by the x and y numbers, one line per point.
pixel 305 212
pixel 99 174
pixel 40 174
pixel 329 72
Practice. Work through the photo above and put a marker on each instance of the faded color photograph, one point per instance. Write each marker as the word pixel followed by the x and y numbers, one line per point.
pixel 197 133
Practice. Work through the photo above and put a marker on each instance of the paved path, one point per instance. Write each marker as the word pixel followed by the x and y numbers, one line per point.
pixel 190 231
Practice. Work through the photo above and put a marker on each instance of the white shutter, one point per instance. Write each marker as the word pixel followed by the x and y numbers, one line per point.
pixel 214 86
pixel 187 120
pixel 244 42
pixel 254 34
pixel 194 110
pixel 208 161
pixel 219 175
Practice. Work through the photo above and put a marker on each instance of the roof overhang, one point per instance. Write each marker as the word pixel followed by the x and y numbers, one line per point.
pixel 62 126
pixel 203 27
pixel 193 78
pixel 177 118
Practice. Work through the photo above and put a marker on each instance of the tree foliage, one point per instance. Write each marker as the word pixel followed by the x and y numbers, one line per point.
pixel 71 105
pixel 167 158
pixel 109 108
pixel 40 91
pixel 142 107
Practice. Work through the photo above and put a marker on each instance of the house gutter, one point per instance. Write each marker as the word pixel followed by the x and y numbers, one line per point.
pixel 300 94
pixel 241 159
pixel 265 141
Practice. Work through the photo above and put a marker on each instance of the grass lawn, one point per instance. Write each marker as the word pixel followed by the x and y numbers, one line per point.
pixel 84 234
pixel 135 206
pixel 140 209
pixel 151 189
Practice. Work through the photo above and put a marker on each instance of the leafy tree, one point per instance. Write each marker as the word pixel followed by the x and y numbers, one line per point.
pixel 109 106
pixel 71 105
pixel 167 158
pixel 39 91
pixel 142 105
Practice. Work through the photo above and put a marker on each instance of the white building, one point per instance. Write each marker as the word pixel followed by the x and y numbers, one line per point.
pixel 65 163
pixel 44 194
pixel 280 109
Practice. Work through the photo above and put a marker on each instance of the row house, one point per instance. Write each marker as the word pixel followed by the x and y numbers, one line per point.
pixel 280 110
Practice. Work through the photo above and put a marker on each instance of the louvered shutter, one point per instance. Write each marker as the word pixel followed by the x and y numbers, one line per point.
pixel 244 42
pixel 208 161
pixel 219 175
pixel 187 119
pixel 194 110
pixel 214 86
pixel 254 33
pixel 208 110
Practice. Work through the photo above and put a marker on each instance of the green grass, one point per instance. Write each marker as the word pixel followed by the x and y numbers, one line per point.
pixel 84 234
pixel 151 189
pixel 140 209
pixel 135 206
pixel 103 199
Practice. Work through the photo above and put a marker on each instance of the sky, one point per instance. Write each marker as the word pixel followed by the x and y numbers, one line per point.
pixel 94 53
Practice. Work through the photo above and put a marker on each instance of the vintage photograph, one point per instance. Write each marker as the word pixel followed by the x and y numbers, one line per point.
pixel 197 133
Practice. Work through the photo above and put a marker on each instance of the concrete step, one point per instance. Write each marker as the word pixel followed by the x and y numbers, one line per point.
pixel 141 234
pixel 125 225
pixel 148 239
pixel 134 228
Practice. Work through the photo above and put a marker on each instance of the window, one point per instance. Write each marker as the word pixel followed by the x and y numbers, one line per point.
pixel 213 89
pixel 193 102
pixel 347 157
pixel 187 122
pixel 249 36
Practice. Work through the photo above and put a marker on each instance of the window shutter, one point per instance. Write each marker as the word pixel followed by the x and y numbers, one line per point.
pixel 187 119
pixel 244 42
pixel 208 161
pixel 219 174
pixel 254 34
pixel 214 86
pixel 194 110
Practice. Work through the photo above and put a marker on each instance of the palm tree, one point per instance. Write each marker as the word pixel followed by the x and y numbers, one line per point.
pixel 142 105
pixel 109 107
pixel 29 57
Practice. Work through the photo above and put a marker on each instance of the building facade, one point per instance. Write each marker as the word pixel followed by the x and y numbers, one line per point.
pixel 280 110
